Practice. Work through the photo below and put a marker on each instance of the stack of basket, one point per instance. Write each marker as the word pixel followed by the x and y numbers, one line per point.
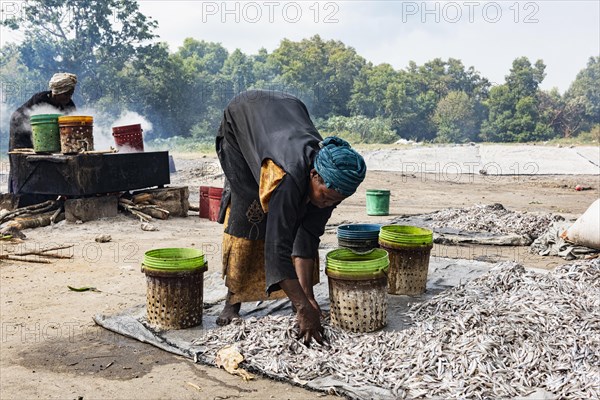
pixel 358 237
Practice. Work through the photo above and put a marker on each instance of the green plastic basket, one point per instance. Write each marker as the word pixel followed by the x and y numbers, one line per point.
pixel 44 119
pixel 345 263
pixel 174 260
pixel 406 235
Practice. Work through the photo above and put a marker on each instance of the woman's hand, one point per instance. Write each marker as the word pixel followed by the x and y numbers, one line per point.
pixel 309 316
pixel 309 321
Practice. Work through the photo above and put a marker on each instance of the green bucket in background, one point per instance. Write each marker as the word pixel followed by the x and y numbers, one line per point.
pixel 378 202
pixel 45 133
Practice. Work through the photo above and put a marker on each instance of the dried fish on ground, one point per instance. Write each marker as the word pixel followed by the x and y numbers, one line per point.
pixel 493 218
pixel 505 334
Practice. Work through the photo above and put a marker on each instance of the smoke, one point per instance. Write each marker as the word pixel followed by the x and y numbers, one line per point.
pixel 38 110
pixel 44 109
pixel 103 124
pixel 131 118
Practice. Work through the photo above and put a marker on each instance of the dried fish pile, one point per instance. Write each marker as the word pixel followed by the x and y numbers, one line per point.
pixel 493 218
pixel 505 334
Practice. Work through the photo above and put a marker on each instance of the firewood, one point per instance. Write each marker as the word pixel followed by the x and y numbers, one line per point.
pixel 54 217
pixel 41 252
pixel 29 210
pixel 156 212
pixel 30 260
pixel 135 211
pixel 35 222
pixel 49 255
pixel 142 216
pixel 142 198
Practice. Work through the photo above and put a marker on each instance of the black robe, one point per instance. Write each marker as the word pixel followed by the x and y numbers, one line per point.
pixel 259 125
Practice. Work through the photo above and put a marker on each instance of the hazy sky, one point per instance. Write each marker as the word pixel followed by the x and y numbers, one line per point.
pixel 488 35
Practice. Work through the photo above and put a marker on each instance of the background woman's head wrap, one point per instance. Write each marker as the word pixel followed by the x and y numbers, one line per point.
pixel 340 166
pixel 62 82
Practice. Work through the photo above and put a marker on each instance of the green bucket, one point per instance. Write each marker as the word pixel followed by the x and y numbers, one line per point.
pixel 45 133
pixel 405 235
pixel 174 260
pixel 378 202
pixel 346 264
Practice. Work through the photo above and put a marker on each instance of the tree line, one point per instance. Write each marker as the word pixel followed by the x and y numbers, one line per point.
pixel 122 65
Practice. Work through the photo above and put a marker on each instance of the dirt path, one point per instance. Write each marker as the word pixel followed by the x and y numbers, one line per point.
pixel 50 347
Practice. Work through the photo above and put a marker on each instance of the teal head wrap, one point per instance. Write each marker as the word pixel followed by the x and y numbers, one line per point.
pixel 340 166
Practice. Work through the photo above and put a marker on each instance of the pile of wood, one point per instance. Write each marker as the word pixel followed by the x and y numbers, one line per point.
pixel 146 205
pixel 158 203
pixel 34 216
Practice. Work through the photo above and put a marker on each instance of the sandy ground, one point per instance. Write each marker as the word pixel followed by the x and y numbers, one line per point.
pixel 51 348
